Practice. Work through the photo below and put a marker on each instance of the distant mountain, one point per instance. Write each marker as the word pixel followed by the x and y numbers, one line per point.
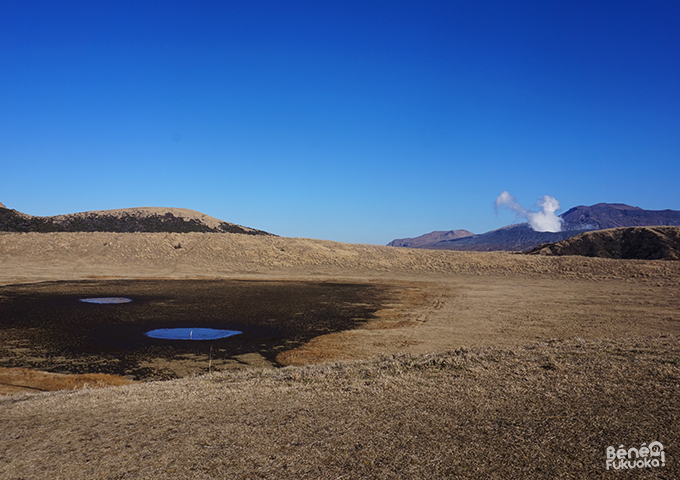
pixel 429 238
pixel 144 219
pixel 576 220
pixel 517 238
pixel 641 243
pixel 615 215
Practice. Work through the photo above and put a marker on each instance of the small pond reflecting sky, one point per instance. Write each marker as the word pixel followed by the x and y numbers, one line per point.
pixel 106 300
pixel 190 333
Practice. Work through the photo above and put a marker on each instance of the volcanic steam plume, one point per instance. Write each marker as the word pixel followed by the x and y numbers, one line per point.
pixel 544 220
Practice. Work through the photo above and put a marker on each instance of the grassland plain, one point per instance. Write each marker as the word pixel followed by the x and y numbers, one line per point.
pixel 480 365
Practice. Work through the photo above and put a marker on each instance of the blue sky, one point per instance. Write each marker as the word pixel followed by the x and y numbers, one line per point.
pixel 357 121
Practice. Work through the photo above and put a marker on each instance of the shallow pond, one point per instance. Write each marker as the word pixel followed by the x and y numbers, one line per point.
pixel 106 300
pixel 191 333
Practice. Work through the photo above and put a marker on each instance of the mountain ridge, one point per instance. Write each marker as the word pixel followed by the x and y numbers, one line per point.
pixel 576 220
pixel 428 238
pixel 615 215
pixel 122 220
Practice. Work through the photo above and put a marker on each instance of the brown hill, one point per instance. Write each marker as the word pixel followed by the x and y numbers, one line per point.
pixel 641 243
pixel 126 220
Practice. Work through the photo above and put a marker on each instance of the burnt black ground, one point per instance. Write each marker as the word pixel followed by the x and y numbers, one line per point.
pixel 45 326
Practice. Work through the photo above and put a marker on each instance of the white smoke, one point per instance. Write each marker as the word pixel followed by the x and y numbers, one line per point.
pixel 542 221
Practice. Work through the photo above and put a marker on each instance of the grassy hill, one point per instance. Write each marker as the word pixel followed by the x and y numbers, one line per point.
pixel 635 243
pixel 171 220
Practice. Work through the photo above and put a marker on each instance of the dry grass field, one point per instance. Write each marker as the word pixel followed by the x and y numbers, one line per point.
pixel 476 365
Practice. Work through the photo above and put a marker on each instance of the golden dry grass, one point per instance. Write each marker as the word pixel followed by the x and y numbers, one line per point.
pixel 494 365
pixel 32 257
pixel 546 410
pixel 20 380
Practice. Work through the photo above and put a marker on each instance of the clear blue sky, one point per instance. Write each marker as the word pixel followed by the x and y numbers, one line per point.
pixel 357 121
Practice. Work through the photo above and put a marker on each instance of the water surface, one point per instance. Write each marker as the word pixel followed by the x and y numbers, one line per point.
pixel 106 300
pixel 191 333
